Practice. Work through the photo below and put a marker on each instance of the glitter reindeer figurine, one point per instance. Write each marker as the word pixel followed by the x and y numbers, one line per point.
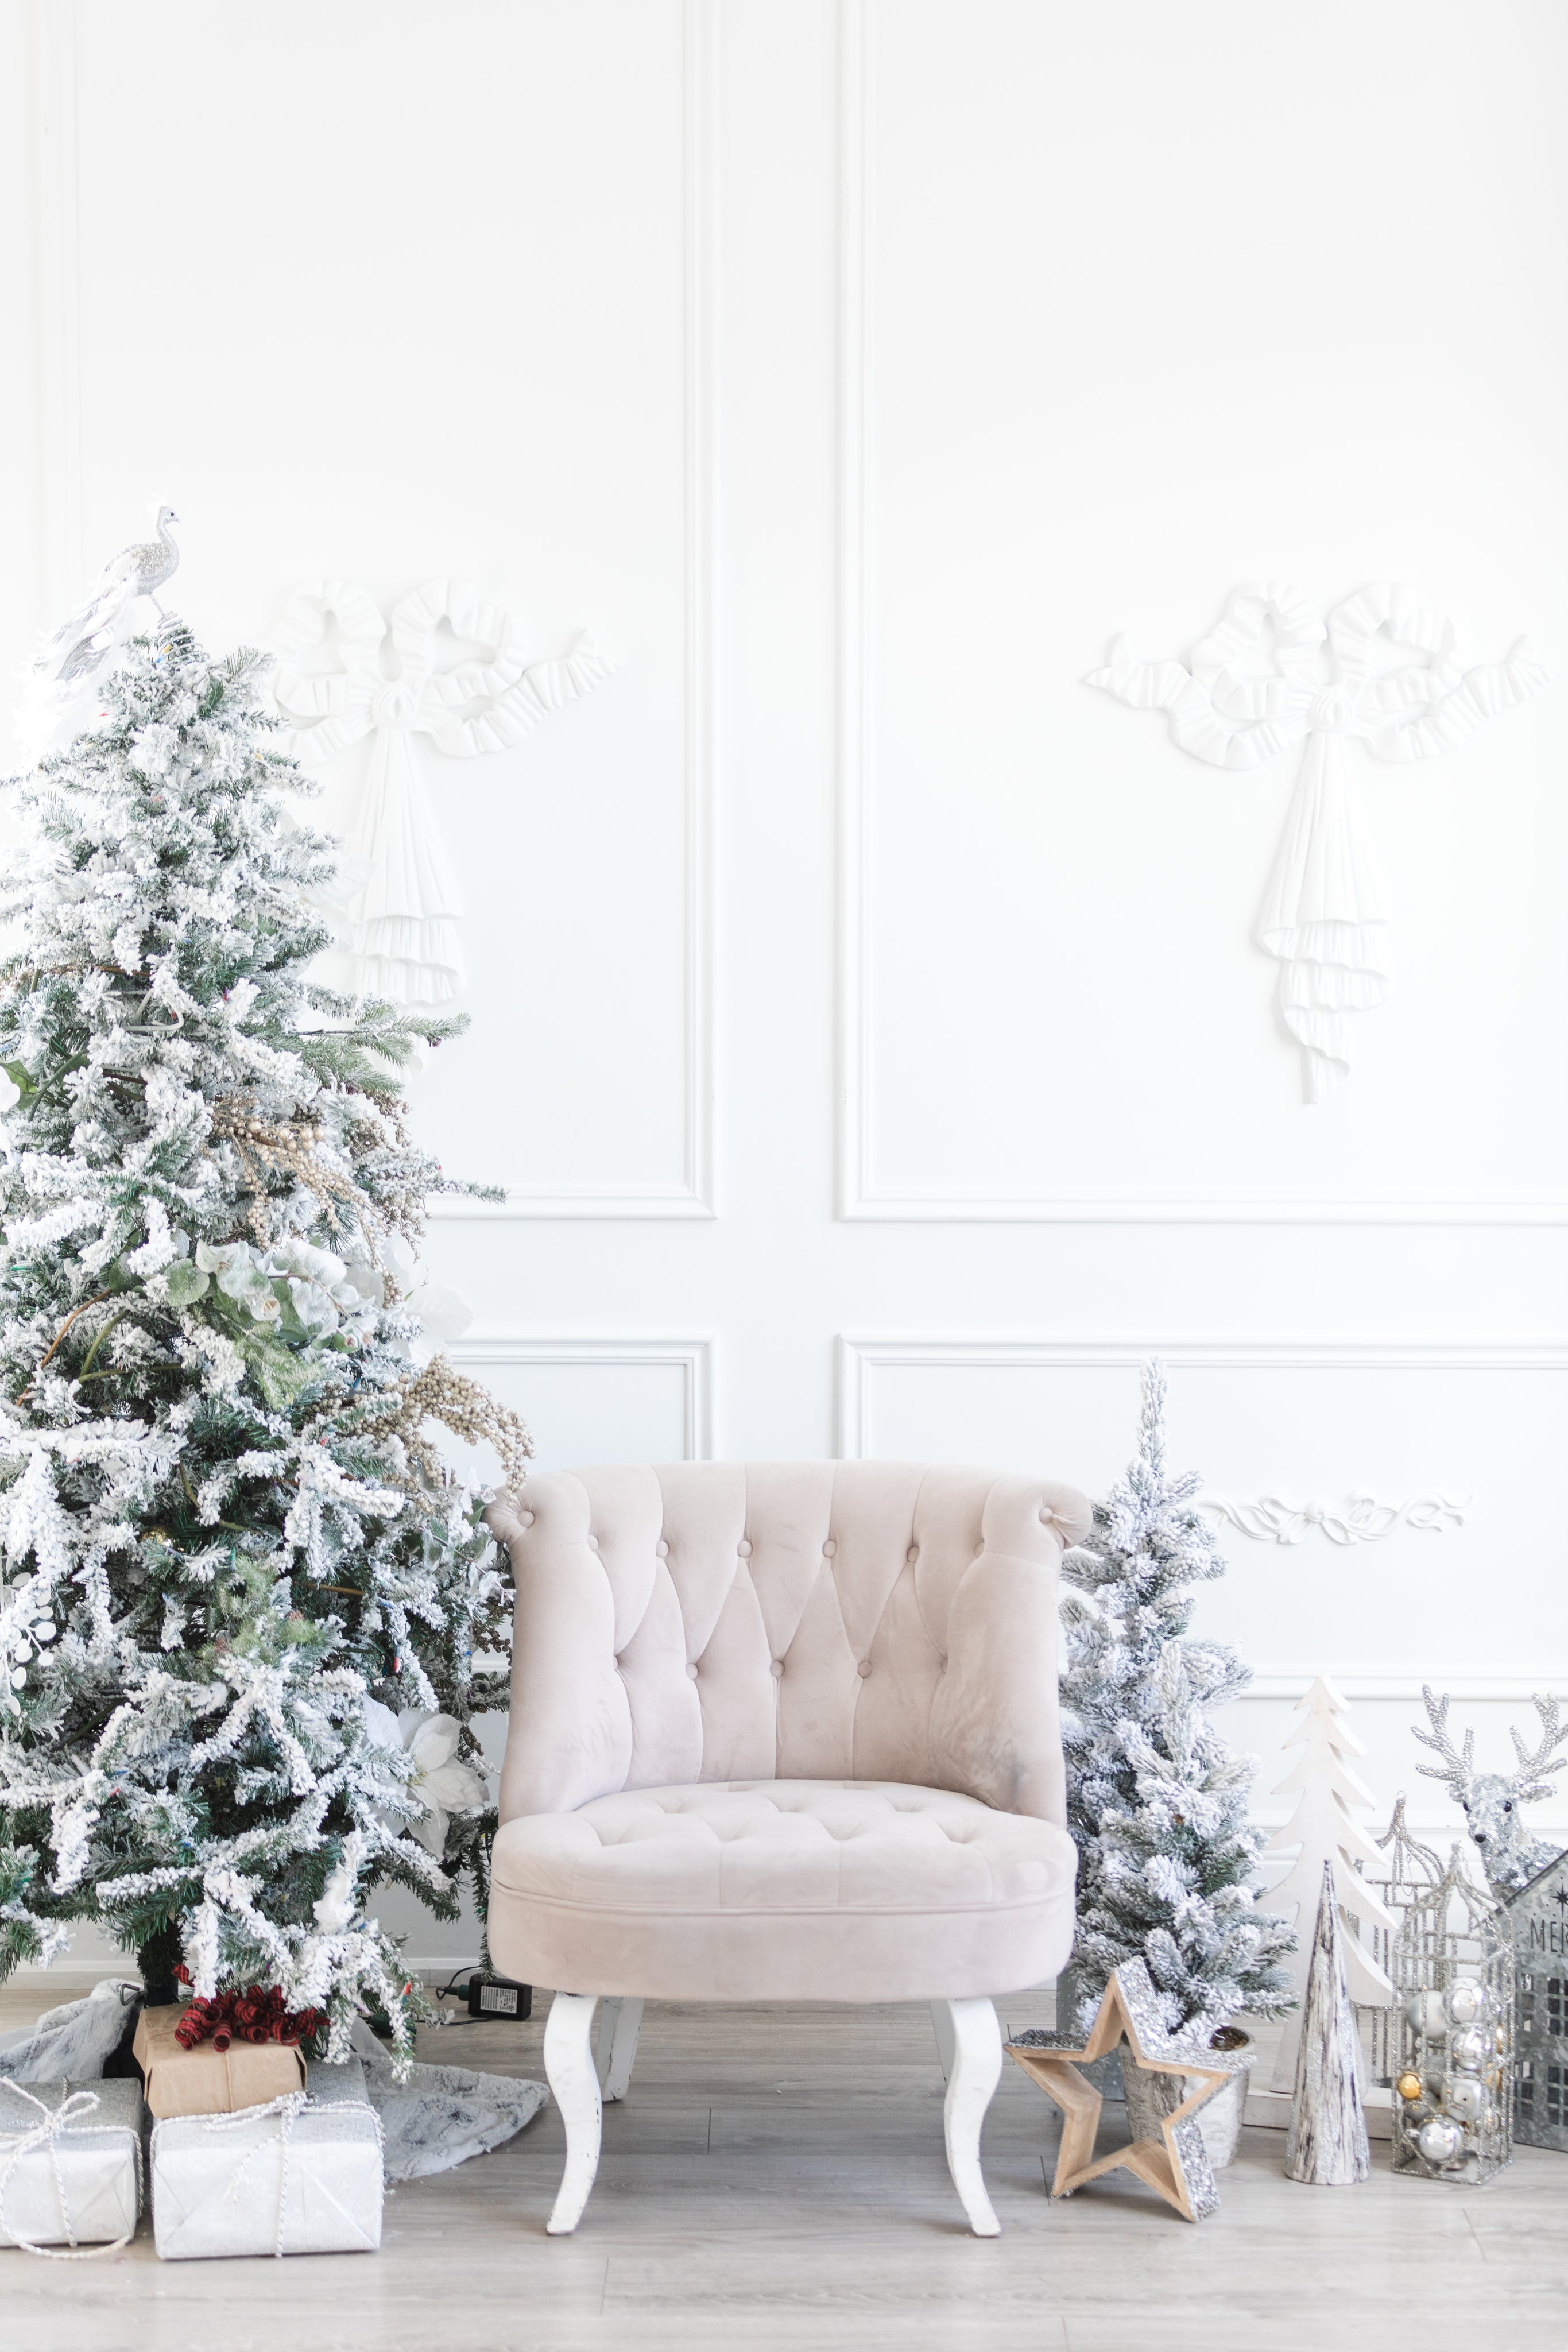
pixel 1491 1800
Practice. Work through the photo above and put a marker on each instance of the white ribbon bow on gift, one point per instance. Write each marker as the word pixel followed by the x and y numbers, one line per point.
pixel 404 908
pixel 1323 916
pixel 45 2134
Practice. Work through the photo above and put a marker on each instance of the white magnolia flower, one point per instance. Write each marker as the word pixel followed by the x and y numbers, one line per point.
pixel 440 1782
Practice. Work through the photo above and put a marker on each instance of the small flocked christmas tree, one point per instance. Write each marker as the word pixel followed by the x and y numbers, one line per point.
pixel 230 1549
pixel 1324 1830
pixel 1157 1800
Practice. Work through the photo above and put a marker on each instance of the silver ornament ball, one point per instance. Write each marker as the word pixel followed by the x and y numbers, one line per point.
pixel 1465 2002
pixel 1426 2014
pixel 1465 2098
pixel 1468 2051
pixel 1439 2140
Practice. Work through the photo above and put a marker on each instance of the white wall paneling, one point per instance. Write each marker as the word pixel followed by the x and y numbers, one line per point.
pixel 1039 907
pixel 602 1399
pixel 854 369
pixel 61 566
pixel 546 431
pixel 1329 1416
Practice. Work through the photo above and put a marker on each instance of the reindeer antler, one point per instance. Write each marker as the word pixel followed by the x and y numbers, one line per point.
pixel 1459 1764
pixel 1552 1733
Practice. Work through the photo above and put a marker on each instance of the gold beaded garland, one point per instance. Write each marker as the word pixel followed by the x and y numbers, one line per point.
pixel 1408 2086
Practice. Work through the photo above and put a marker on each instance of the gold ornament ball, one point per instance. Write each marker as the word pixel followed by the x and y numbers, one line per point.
pixel 1408 2086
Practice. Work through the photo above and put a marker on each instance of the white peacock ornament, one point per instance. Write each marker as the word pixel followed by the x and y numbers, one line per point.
pixel 403 912
pixel 1256 683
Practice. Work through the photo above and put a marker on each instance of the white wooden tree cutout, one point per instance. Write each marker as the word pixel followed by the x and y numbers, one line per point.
pixel 1325 1829
pixel 1260 682
pixel 404 911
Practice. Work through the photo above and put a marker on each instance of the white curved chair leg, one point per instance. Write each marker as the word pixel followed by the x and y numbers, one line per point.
pixel 616 2050
pixel 574 2080
pixel 975 2069
pixel 942 2026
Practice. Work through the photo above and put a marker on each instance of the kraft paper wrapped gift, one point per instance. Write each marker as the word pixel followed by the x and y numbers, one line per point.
pixel 301 2176
pixel 70 2163
pixel 208 2082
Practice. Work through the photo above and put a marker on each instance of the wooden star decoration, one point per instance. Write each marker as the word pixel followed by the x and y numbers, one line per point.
pixel 1177 2165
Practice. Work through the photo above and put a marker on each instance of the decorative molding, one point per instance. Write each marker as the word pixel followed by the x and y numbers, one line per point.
pixel 859 1354
pixel 859 1196
pixel 1398 1682
pixel 399 926
pixel 694 1195
pixel 689 1353
pixel 1360 1518
pixel 1322 915
pixel 62 570
pixel 62 567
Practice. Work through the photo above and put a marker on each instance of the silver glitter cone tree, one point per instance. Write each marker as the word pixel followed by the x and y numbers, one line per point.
pixel 1157 1800
pixel 1326 2145
pixel 241 1596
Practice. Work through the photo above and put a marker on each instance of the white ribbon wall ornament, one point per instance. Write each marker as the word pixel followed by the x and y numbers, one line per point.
pixel 404 911
pixel 1322 915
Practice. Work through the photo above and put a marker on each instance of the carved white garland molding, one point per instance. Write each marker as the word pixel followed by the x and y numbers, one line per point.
pixel 1360 1518
pixel 1260 681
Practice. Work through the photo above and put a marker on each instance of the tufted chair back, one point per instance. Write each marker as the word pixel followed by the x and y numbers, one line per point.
pixel 718 1620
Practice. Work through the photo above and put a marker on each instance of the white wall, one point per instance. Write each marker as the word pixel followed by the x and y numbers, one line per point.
pixel 866 1017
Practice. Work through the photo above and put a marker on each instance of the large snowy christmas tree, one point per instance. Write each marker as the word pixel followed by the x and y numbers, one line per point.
pixel 1156 1799
pixel 242 1595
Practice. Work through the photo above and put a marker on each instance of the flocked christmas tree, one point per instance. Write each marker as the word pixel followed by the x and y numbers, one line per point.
pixel 1156 1799
pixel 242 1595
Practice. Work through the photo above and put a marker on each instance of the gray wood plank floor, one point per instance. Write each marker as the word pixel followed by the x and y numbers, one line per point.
pixel 776 2179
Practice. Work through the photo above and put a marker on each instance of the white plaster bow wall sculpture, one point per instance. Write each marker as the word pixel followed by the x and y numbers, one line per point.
pixel 1360 1518
pixel 1322 915
pixel 403 908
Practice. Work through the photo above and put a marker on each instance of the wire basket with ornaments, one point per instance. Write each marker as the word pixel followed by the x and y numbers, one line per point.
pixel 1453 1978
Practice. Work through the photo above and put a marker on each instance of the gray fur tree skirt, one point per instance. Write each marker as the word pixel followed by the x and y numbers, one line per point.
pixel 439 2118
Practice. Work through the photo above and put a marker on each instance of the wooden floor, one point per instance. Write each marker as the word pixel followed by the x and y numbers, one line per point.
pixel 776 2179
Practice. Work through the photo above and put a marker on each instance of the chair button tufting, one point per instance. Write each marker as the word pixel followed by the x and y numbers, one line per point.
pixel 979 1548
pixel 692 1671
pixel 527 1518
pixel 830 1548
pixel 864 1668
pixel 913 1553
pixel 777 1668
pixel 593 1543
pixel 744 1547
pixel 663 1548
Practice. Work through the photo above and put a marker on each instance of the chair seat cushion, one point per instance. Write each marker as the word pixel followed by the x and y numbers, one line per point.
pixel 782 1890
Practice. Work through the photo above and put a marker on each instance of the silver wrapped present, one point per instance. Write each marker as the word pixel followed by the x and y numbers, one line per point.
pixel 70 2165
pixel 301 2176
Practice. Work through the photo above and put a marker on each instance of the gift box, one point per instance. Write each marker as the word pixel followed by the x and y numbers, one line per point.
pixel 70 2163
pixel 299 2176
pixel 206 2080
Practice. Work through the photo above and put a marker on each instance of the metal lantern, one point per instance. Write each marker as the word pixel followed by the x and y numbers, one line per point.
pixel 1452 1966
pixel 1538 1914
pixel 1412 1871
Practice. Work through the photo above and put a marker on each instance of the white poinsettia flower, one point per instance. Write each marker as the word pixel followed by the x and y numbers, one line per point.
pixel 442 1314
pixel 440 1781
pixel 10 1092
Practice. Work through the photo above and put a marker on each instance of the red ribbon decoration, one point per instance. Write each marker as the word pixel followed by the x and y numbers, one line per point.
pixel 257 2015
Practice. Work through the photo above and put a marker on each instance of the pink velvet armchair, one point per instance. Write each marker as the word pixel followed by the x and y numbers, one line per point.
pixel 782 1731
